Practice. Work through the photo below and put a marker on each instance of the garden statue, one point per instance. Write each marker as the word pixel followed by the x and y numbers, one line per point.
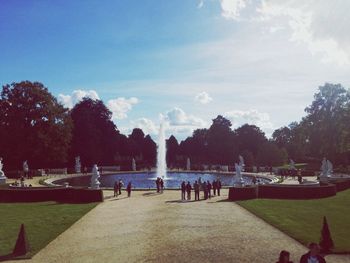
pixel 95 183
pixel 241 162
pixel 188 164
pixel 26 168
pixel 133 164
pixel 326 168
pixel 292 164
pixel 2 174
pixel 239 180
pixel 77 165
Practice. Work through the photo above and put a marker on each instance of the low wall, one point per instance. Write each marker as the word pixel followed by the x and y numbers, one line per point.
pixel 242 193
pixel 296 191
pixel 341 185
pixel 43 194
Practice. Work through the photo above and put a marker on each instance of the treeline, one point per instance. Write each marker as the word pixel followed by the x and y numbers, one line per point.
pixel 34 126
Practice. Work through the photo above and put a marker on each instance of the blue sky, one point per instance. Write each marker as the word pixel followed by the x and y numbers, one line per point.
pixel 255 61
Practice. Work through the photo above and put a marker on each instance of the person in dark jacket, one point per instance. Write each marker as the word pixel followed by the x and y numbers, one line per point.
pixel 284 257
pixel 218 186
pixel 313 255
pixel 205 190
pixel 215 186
pixel 209 189
pixel 116 189
pixel 161 182
pixel 120 186
pixel 196 190
pixel 188 190
pixel 183 190
pixel 128 189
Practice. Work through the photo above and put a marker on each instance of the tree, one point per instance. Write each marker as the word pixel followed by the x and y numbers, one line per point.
pixel 269 154
pixel 172 150
pixel 95 136
pixel 326 242
pixel 250 138
pixel 34 126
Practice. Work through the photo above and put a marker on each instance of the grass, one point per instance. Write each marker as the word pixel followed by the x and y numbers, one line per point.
pixel 302 219
pixel 43 222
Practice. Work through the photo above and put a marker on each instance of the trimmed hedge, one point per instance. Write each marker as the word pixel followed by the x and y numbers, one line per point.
pixel 242 193
pixel 43 194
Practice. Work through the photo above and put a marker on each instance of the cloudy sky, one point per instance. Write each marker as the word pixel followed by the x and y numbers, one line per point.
pixel 186 61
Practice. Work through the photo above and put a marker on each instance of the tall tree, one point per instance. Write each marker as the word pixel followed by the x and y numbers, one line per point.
pixel 33 125
pixel 95 136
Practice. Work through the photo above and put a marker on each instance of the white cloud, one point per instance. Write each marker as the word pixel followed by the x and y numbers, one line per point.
pixel 77 95
pixel 146 125
pixel 120 106
pixel 203 98
pixel 230 9
pixel 178 117
pixel 260 119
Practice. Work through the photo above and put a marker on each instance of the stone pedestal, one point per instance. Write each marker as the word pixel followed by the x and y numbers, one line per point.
pixel 2 179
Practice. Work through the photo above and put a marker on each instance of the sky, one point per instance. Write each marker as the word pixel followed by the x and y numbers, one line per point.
pixel 183 62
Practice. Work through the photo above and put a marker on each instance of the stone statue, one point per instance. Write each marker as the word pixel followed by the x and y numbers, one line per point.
pixel 238 180
pixel 77 165
pixel 2 174
pixel 25 166
pixel 188 164
pixel 241 162
pixel 95 183
pixel 133 164
pixel 326 168
pixel 292 164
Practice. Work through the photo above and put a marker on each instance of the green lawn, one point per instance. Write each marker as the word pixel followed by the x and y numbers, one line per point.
pixel 43 222
pixel 302 219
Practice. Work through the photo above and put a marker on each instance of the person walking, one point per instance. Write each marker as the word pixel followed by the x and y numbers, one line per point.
pixel 214 184
pixel 120 186
pixel 158 184
pixel 209 189
pixel 116 188
pixel 128 189
pixel 183 190
pixel 196 191
pixel 188 190
pixel 218 186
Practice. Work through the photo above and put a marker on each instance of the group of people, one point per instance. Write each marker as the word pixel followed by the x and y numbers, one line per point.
pixel 160 185
pixel 313 256
pixel 209 189
pixel 118 188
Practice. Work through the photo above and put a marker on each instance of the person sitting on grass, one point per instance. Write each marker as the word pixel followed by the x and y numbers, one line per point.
pixel 313 256
pixel 284 257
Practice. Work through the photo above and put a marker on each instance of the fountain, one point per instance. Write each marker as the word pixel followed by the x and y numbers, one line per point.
pixel 133 164
pixel 77 165
pixel 188 164
pixel 161 153
pixel 2 174
pixel 95 183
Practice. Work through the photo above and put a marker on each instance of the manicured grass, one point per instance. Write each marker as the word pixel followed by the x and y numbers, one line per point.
pixel 302 219
pixel 43 222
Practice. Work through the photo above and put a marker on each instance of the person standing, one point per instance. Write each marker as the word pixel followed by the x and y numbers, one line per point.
pixel 128 189
pixel 183 190
pixel 284 257
pixel 209 189
pixel 188 190
pixel 116 188
pixel 205 190
pixel 120 186
pixel 157 185
pixel 214 184
pixel 218 186
pixel 313 256
pixel 161 185
pixel 196 191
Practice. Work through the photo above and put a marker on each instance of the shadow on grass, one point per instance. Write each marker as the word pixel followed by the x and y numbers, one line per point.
pixel 13 257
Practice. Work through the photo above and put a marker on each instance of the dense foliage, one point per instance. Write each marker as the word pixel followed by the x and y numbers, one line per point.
pixel 35 127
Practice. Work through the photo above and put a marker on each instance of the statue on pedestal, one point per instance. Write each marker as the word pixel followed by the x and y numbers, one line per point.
pixel 77 165
pixel 188 164
pixel 26 169
pixel 133 164
pixel 95 183
pixel 2 174
pixel 326 168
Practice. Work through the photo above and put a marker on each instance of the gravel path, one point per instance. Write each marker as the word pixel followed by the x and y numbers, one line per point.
pixel 150 227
